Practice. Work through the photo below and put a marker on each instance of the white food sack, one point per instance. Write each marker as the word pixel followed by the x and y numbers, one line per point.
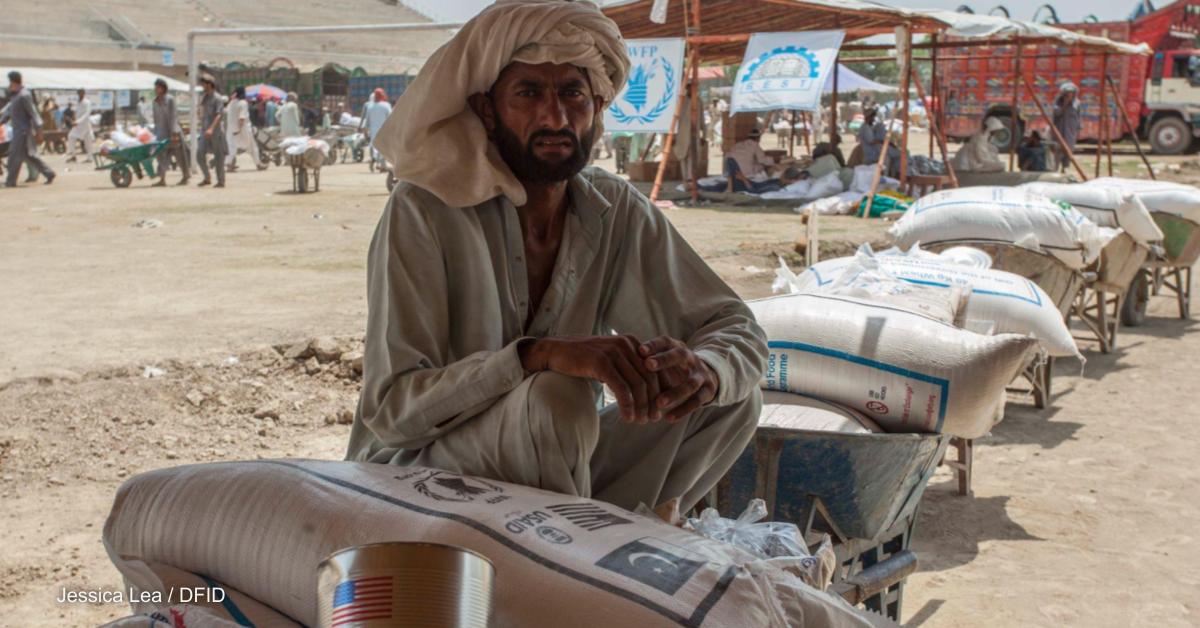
pixel 1014 304
pixel 907 372
pixel 865 279
pixel 1105 206
pixel 797 412
pixel 1000 214
pixel 263 527
pixel 1160 196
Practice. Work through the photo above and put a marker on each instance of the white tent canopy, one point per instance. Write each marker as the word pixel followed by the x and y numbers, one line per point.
pixel 83 78
pixel 849 81
pixel 971 26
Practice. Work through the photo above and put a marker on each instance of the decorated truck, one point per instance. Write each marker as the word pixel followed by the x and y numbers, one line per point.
pixel 1161 94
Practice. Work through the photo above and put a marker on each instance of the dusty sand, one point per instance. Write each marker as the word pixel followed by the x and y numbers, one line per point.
pixel 1083 514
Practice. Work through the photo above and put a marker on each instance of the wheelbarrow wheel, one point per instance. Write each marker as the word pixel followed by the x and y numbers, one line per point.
pixel 60 147
pixel 359 155
pixel 278 159
pixel 121 177
pixel 302 180
pixel 1133 310
pixel 391 181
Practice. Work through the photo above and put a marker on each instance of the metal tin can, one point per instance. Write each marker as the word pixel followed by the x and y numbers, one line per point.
pixel 405 584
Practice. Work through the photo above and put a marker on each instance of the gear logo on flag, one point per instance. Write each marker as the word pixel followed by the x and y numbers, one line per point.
pixel 785 67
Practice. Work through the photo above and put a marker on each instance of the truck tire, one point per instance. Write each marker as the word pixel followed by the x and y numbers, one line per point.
pixel 1002 139
pixel 1170 135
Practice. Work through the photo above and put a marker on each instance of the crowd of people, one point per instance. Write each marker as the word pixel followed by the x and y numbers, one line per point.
pixel 229 125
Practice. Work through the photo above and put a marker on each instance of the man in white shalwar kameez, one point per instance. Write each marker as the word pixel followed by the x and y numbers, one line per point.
pixel 507 283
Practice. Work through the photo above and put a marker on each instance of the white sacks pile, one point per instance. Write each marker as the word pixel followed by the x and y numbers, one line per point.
pixel 1009 302
pixel 906 371
pixel 1001 214
pixel 1159 196
pixel 1105 206
pixel 264 527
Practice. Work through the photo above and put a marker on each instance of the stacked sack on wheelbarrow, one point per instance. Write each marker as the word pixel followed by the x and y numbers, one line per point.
pixel 877 360
pixel 305 154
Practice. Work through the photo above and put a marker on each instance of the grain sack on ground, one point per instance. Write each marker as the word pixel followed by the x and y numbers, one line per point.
pixel 264 527
pixel 1011 303
pixel 1105 206
pixel 907 372
pixel 1001 214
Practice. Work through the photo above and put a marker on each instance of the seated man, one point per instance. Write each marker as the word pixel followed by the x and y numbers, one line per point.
pixel 1031 155
pixel 507 283
pixel 979 154
pixel 751 159
pixel 737 181
pixel 831 148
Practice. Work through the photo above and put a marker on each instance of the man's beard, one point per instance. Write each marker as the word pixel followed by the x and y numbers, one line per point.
pixel 530 168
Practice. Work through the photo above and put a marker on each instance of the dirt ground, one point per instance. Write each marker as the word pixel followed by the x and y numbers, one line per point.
pixel 1082 515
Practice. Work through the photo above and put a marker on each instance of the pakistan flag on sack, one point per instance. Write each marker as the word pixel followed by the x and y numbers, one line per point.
pixel 785 70
pixel 647 103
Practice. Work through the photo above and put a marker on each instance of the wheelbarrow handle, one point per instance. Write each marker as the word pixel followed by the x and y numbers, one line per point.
pixel 877 577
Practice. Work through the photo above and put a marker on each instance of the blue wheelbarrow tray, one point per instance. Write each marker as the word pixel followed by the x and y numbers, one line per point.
pixel 864 484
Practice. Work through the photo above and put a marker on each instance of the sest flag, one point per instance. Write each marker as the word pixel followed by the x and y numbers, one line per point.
pixel 647 102
pixel 785 70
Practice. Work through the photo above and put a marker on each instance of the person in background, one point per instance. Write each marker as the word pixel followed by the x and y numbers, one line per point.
pixel 1031 156
pixel 67 120
pixel 166 127
pixel 258 112
pixel 831 148
pixel 980 154
pixel 212 138
pixel 752 162
pixel 288 117
pixel 374 114
pixel 871 136
pixel 272 107
pixel 145 111
pixel 1067 120
pixel 241 131
pixel 26 132
pixel 82 131
pixel 326 119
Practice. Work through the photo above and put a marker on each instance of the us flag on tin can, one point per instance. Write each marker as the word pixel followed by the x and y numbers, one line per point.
pixel 362 599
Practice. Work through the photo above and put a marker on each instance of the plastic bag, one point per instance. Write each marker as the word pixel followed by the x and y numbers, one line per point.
pixel 780 543
pixel 769 539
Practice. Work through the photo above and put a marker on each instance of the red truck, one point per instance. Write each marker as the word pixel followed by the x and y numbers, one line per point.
pixel 1160 93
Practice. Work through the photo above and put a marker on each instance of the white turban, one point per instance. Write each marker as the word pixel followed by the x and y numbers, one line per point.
pixel 435 141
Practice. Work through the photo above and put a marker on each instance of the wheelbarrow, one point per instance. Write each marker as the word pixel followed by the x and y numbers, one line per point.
pixel 1168 266
pixel 1101 302
pixel 863 490
pixel 310 161
pixel 123 163
pixel 1063 284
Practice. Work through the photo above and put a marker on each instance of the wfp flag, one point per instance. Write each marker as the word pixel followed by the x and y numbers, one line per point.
pixel 785 70
pixel 648 101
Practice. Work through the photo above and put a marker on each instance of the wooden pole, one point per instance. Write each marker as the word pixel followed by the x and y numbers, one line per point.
pixel 1102 119
pixel 904 89
pixel 1013 133
pixel 1129 126
pixel 696 138
pixel 649 147
pixel 808 122
pixel 935 130
pixel 887 139
pixel 833 101
pixel 1057 136
pixel 1107 124
pixel 665 156
pixel 930 108
pixel 792 136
